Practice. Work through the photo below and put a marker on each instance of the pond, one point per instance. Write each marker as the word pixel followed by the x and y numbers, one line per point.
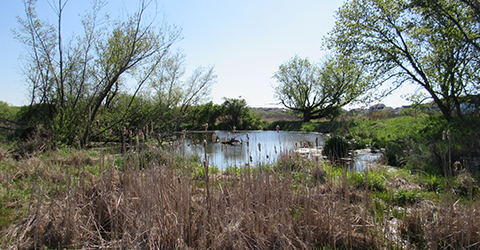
pixel 253 147
pixel 261 147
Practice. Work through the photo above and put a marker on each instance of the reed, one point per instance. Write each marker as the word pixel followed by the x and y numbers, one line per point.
pixel 158 202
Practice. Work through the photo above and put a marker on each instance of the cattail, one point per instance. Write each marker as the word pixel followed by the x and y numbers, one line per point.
pixel 275 147
pixel 228 134
pixel 234 129
pixel 226 148
pixel 448 135
pixel 260 147
pixel 206 127
pixel 124 130
pixel 222 147
pixel 278 128
pixel 443 135
pixel 98 123
pixel 251 158
pixel 248 137
pixel 110 132
pixel 136 139
pixel 248 143
pixel 214 138
pixel 204 143
pixel 296 144
pixel 316 142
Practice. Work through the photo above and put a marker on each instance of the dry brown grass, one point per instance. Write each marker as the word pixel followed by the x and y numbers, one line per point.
pixel 157 206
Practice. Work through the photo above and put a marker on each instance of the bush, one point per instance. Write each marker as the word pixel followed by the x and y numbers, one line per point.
pixel 394 152
pixel 336 147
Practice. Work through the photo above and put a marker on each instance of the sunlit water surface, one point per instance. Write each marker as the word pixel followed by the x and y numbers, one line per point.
pixel 263 147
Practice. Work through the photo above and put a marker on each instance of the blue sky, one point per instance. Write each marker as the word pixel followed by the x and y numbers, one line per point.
pixel 245 40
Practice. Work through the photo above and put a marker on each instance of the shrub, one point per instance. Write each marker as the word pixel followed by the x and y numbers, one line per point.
pixel 394 152
pixel 336 147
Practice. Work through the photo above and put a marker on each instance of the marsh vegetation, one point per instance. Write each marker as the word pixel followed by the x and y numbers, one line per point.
pixel 154 197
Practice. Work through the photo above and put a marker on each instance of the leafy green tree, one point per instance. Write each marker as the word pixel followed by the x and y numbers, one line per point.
pixel 252 121
pixel 318 92
pixel 460 15
pixel 403 42
pixel 234 111
pixel 344 81
pixel 5 110
pixel 205 113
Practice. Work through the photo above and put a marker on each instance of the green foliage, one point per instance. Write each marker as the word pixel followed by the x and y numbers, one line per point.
pixel 7 111
pixel 286 125
pixel 318 92
pixel 90 99
pixel 428 43
pixel 327 127
pixel 336 147
pixel 375 180
pixel 433 183
pixel 404 197
pixel 236 113
pixel 200 115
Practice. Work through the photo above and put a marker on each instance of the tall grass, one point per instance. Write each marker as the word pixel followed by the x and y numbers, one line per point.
pixel 154 199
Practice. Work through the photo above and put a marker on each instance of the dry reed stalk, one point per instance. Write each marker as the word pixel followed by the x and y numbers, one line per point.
pixel 158 207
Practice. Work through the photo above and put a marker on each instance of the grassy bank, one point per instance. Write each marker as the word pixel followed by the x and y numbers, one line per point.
pixel 422 141
pixel 155 199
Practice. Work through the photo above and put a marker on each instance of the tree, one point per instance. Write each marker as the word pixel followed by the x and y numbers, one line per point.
pixel 172 91
pixel 82 78
pixel 234 110
pixel 5 111
pixel 319 92
pixel 460 15
pixel 401 42
pixel 344 81
pixel 204 113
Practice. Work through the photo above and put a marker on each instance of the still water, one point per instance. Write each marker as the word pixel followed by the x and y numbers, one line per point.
pixel 253 147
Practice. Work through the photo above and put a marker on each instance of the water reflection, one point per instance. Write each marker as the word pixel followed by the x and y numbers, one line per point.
pixel 253 147
pixel 364 159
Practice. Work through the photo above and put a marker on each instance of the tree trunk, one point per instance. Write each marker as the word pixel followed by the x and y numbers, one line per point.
pixel 307 115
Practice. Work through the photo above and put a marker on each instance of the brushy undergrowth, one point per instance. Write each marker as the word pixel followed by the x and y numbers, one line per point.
pixel 151 198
